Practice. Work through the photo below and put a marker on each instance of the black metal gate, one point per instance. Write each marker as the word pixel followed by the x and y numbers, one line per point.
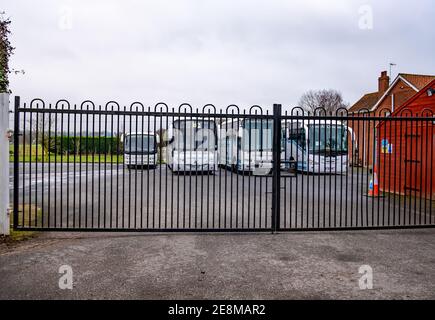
pixel 92 168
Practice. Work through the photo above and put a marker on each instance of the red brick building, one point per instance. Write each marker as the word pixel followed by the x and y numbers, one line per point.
pixel 381 103
pixel 405 149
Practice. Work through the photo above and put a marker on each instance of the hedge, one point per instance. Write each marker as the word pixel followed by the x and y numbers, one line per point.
pixel 85 145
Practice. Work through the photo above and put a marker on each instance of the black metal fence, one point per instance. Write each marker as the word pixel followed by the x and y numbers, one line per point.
pixel 112 168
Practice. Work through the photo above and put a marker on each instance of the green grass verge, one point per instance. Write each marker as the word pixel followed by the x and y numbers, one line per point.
pixel 89 158
pixel 32 214
pixel 35 153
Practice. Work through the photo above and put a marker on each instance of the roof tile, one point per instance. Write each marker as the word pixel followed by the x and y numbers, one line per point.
pixel 366 102
pixel 369 100
pixel 418 80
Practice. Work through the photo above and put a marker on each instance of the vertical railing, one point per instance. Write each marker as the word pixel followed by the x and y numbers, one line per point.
pixel 16 155
pixel 276 167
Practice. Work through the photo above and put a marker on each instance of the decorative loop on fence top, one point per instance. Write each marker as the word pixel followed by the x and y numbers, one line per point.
pixel 316 111
pixel 405 112
pixel 232 106
pixel 37 101
pixel 162 105
pixel 136 103
pixel 296 110
pixel 426 112
pixel 384 112
pixel 256 106
pixel 209 105
pixel 114 103
pixel 62 102
pixel 185 105
pixel 87 103
pixel 342 111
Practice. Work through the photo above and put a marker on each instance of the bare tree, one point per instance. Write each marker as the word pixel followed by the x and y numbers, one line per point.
pixel 163 141
pixel 42 126
pixel 330 100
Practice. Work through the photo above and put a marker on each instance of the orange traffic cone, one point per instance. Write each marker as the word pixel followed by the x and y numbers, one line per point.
pixel 374 185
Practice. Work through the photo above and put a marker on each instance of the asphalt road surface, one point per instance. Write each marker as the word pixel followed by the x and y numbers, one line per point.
pixel 288 265
pixel 110 196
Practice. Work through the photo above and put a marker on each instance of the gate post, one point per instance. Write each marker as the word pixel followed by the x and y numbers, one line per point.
pixel 4 164
pixel 276 167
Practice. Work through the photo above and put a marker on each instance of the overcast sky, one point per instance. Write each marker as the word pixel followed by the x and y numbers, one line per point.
pixel 221 51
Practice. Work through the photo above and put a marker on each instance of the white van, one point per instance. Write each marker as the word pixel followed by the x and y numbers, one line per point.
pixel 140 149
pixel 317 146
pixel 245 145
pixel 192 145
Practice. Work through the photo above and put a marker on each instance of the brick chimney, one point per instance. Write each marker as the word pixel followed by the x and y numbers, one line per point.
pixel 383 82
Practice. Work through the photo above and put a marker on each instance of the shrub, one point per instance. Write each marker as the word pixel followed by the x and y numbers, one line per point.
pixel 86 145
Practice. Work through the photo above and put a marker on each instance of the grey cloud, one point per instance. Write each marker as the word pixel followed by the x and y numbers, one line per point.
pixel 245 52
